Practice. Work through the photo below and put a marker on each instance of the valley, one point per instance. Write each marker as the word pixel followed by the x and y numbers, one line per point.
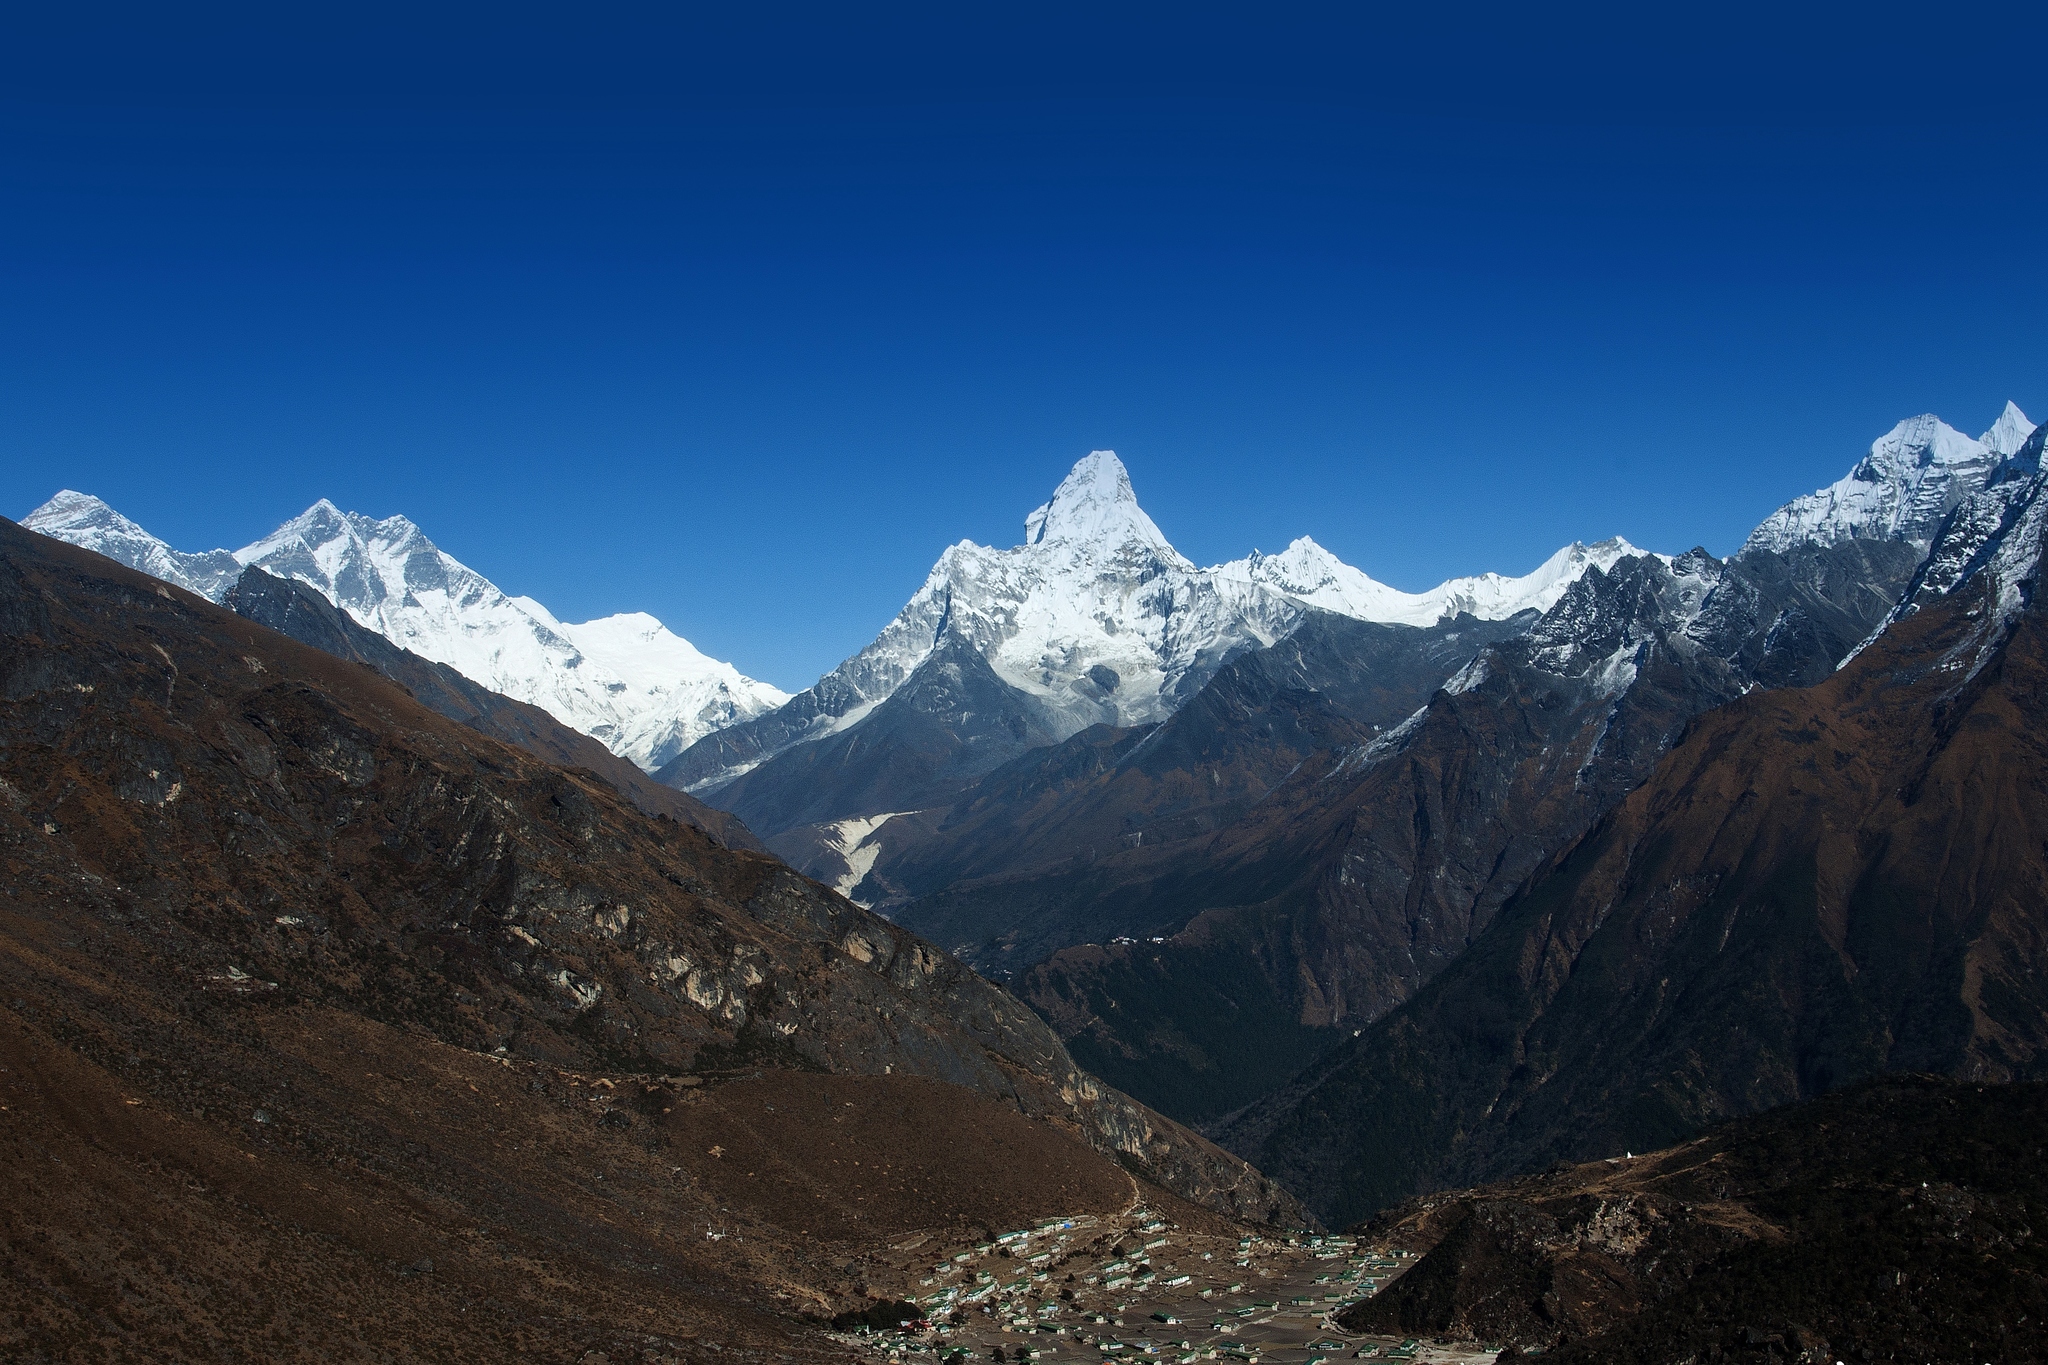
pixel 1215 987
pixel 868 684
pixel 1138 1284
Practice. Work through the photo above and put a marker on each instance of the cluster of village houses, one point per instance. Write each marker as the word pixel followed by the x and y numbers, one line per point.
pixel 1086 1289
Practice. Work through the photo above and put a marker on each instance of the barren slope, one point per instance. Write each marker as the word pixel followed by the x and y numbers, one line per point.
pixel 304 984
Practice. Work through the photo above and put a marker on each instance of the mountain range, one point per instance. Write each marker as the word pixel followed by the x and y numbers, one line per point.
pixel 1814 886
pixel 1095 619
pixel 353 1005
pixel 334 1024
pixel 1264 842
pixel 1201 904
pixel 641 691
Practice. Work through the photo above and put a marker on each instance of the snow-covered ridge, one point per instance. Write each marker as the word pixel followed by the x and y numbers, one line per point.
pixel 1305 572
pixel 1996 538
pixel 81 519
pixel 1914 476
pixel 628 682
pixel 1098 619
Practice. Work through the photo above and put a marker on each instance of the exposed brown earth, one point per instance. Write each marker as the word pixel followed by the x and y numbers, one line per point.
pixel 238 875
pixel 150 1215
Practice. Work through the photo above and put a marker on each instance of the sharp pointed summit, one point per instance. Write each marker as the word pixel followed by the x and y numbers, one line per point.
pixel 1094 619
pixel 1095 505
pixel 2009 432
pixel 81 519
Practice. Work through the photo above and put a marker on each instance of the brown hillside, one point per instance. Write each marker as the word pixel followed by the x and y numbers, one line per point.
pixel 304 985
pixel 1818 885
pixel 1891 1221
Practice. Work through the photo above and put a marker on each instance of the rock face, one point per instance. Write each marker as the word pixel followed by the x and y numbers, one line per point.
pixel 951 721
pixel 1817 885
pixel 1094 620
pixel 1891 1221
pixel 643 692
pixel 216 805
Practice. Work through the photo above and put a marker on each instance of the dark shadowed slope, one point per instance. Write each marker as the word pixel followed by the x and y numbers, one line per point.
pixel 303 979
pixel 1817 885
pixel 1333 682
pixel 1376 863
pixel 298 610
pixel 1894 1221
pixel 951 721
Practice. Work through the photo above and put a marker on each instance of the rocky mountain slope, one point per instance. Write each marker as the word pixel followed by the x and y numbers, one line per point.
pixel 319 974
pixel 641 691
pixel 1259 939
pixel 1376 863
pixel 1893 1220
pixel 294 608
pixel 1818 884
pixel 1333 681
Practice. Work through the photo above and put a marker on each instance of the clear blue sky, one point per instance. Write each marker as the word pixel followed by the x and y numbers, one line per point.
pixel 740 316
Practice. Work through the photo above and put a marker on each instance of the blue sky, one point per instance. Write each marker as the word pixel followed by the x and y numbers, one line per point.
pixel 739 316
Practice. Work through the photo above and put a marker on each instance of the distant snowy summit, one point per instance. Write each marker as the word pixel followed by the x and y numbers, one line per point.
pixel 1094 618
pixel 1305 572
pixel 642 691
pixel 84 520
pixel 1097 619
pixel 1914 476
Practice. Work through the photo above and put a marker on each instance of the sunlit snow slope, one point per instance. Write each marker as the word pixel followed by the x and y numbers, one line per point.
pixel 1096 618
pixel 1914 476
pixel 628 682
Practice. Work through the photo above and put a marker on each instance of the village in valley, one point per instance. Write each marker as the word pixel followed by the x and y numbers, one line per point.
pixel 1137 1286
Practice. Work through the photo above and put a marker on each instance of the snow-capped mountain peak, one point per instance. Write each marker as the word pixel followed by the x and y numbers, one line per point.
pixel 626 680
pixel 81 519
pixel 72 508
pixel 1096 618
pixel 1913 476
pixel 2010 432
pixel 389 577
pixel 1095 505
